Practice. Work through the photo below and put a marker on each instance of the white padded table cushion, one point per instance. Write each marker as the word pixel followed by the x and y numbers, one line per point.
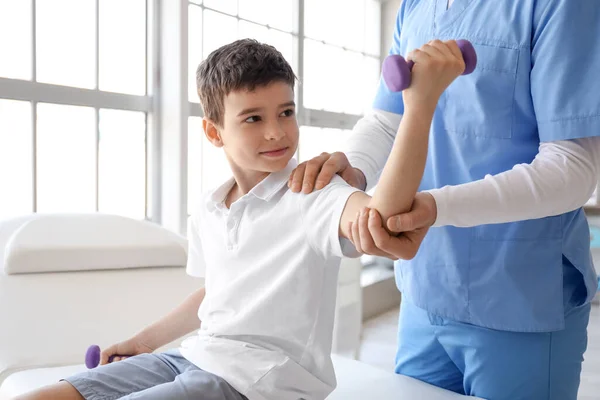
pixel 24 381
pixel 356 380
pixel 80 242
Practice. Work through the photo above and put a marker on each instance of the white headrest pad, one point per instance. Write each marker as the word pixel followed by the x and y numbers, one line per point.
pixel 78 242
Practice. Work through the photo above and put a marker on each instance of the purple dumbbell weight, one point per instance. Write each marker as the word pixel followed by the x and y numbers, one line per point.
pixel 396 71
pixel 92 356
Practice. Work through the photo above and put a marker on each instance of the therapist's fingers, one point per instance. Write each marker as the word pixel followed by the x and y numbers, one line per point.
pixel 381 243
pixel 362 237
pixel 356 234
pixel 403 222
pixel 423 214
pixel 403 246
pixel 350 236
pixel 296 178
pixel 378 236
pixel 412 242
pixel 313 169
pixel 366 240
pixel 337 163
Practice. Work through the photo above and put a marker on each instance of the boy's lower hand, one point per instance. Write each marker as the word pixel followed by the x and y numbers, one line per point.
pixel 370 237
pixel 318 172
pixel 123 350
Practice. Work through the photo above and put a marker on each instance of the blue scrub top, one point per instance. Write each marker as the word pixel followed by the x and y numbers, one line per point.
pixel 537 80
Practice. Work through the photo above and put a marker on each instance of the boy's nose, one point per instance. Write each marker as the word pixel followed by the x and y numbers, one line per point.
pixel 274 132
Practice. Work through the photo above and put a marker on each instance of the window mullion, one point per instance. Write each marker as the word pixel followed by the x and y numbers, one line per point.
pixel 153 118
pixel 301 111
pixel 96 109
pixel 34 105
pixel 173 114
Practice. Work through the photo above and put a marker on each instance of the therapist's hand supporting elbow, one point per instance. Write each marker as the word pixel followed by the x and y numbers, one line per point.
pixel 368 233
pixel 370 237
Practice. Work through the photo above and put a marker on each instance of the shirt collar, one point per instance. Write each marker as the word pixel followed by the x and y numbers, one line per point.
pixel 265 190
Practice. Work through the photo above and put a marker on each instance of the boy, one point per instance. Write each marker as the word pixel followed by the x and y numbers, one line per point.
pixel 270 257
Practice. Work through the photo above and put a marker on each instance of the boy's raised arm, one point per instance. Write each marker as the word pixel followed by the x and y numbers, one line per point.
pixel 437 64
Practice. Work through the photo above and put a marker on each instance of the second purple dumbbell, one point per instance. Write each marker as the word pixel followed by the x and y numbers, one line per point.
pixel 396 71
pixel 92 356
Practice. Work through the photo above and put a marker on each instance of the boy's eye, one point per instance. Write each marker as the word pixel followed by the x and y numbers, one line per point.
pixel 288 113
pixel 254 118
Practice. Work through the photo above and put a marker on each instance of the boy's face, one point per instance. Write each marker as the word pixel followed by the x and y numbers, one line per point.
pixel 260 131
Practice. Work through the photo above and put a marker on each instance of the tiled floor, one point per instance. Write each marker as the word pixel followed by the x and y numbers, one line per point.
pixel 379 346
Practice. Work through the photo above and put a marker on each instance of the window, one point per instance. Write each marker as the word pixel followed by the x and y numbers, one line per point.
pixel 65 42
pixel 16 154
pixel 122 46
pixel 206 159
pixel 93 116
pixel 66 158
pixel 314 141
pixel 73 106
pixel 15 39
pixel 344 59
pixel 219 29
pixel 340 69
pixel 122 163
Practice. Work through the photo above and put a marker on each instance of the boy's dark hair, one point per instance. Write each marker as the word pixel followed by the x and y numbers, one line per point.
pixel 243 64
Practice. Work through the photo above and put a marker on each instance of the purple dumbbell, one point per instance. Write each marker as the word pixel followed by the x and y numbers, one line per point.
pixel 92 356
pixel 396 71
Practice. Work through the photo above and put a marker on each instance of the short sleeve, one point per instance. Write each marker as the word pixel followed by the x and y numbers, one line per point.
pixel 321 212
pixel 565 58
pixel 196 266
pixel 385 99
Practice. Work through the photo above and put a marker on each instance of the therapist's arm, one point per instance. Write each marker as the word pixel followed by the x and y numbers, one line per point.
pixel 561 178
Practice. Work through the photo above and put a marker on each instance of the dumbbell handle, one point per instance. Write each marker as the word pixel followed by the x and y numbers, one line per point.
pixel 396 71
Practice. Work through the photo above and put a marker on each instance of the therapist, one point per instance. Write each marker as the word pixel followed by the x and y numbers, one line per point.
pixel 491 307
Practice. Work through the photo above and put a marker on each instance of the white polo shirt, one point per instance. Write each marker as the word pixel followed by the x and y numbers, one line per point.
pixel 271 264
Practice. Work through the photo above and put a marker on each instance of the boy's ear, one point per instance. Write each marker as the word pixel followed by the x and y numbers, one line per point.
pixel 212 132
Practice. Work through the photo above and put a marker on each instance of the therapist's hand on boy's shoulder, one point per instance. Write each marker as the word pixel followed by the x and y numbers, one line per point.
pixel 318 172
pixel 369 236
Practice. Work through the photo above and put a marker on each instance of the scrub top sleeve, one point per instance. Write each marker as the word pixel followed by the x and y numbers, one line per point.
pixel 565 58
